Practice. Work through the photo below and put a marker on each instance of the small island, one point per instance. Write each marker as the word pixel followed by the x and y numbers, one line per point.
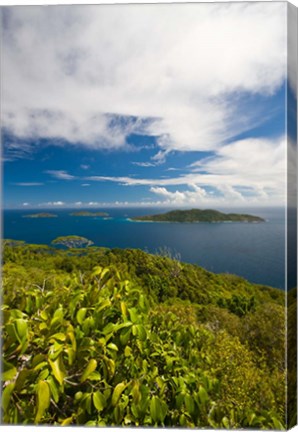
pixel 40 215
pixel 197 215
pixel 85 213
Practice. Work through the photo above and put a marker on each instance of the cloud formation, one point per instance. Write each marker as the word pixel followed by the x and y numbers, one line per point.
pixel 29 184
pixel 60 174
pixel 243 172
pixel 92 75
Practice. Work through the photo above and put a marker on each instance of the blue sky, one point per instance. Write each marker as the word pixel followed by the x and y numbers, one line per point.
pixel 105 112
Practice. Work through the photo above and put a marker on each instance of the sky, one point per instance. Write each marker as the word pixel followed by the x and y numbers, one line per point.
pixel 178 105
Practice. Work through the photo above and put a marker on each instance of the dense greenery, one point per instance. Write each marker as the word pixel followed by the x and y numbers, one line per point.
pixel 40 215
pixel 120 337
pixel 89 213
pixel 196 215
pixel 72 241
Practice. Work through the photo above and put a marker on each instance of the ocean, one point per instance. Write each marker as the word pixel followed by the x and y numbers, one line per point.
pixel 255 251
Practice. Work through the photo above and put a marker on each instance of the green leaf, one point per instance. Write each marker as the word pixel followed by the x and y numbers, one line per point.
pixel 155 409
pixel 124 336
pixel 127 351
pixel 91 366
pixel 110 365
pixel 11 331
pixel 142 303
pixel 21 379
pixel 21 329
pixel 81 315
pixel 117 392
pixel 94 423
pixel 112 346
pixel 16 313
pixel 59 336
pixel 109 328
pixel 179 400
pixel 58 369
pixel 38 358
pixel 134 315
pixel 71 355
pixel 67 421
pixel 141 332
pixel 40 366
pixel 226 423
pixel 44 374
pixel 189 403
pixel 44 316
pixel 104 272
pixel 136 394
pixel 53 388
pixel 97 271
pixel 88 400
pixel 99 401
pixel 57 318
pixel 277 424
pixel 94 376
pixel 43 399
pixel 104 304
pixel 203 396
pixel 43 326
pixel 6 395
pixel 9 374
pixel 72 338
pixel 123 309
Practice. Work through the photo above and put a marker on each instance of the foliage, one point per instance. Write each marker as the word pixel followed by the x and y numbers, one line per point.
pixel 197 215
pixel 87 341
pixel 238 304
pixel 89 213
pixel 40 215
pixel 72 241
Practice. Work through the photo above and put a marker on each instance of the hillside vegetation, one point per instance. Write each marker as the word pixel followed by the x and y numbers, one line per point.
pixel 197 215
pixel 96 336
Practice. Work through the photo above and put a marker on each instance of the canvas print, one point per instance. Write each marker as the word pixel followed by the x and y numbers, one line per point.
pixel 149 215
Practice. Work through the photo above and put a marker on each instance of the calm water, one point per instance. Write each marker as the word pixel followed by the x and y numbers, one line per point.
pixel 254 251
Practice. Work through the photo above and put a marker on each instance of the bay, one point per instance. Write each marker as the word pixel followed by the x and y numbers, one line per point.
pixel 255 251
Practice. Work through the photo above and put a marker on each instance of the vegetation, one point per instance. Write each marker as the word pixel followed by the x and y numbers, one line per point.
pixel 102 336
pixel 40 215
pixel 72 241
pixel 88 213
pixel 196 215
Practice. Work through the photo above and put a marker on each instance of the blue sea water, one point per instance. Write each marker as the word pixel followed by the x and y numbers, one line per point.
pixel 255 251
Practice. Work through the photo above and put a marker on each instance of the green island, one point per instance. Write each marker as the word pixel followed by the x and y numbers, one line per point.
pixel 88 213
pixel 197 215
pixel 103 337
pixel 40 215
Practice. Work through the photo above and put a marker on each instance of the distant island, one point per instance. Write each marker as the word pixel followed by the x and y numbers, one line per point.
pixel 88 213
pixel 196 215
pixel 40 215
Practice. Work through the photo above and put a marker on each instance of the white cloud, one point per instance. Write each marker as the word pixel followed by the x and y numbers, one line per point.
pixel 60 174
pixel 246 171
pixel 85 184
pixel 144 164
pixel 25 184
pixel 195 197
pixel 52 204
pixel 25 204
pixel 67 70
